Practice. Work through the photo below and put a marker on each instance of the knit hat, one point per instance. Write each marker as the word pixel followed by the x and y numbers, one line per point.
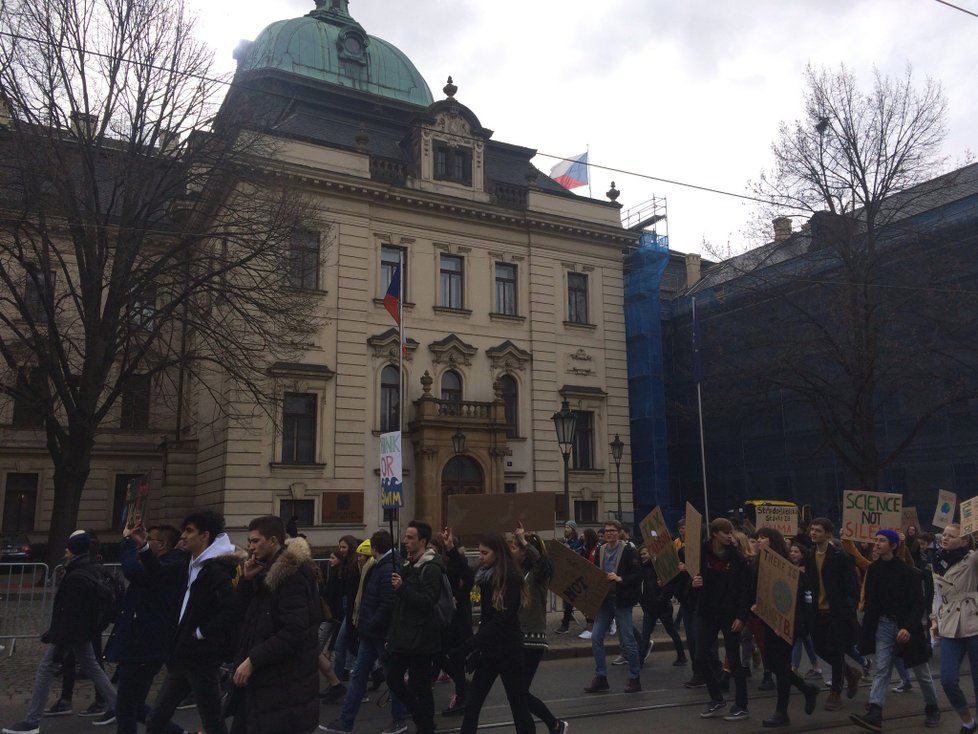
pixel 364 548
pixel 79 543
pixel 890 535
pixel 571 524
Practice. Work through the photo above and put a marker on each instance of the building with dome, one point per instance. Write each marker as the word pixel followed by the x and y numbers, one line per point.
pixel 512 293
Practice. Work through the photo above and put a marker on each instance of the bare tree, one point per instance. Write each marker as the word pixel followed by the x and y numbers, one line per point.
pixel 140 235
pixel 864 306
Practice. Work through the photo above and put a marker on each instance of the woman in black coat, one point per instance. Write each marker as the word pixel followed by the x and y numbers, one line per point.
pixel 461 578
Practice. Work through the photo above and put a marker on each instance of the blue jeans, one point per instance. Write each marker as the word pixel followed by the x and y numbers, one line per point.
pixel 809 647
pixel 886 644
pixel 602 622
pixel 341 650
pixel 85 657
pixel 953 650
pixel 367 655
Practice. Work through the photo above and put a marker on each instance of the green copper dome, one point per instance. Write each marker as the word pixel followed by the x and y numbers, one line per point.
pixel 329 45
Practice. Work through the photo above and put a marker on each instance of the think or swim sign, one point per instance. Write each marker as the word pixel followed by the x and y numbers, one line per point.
pixel 391 486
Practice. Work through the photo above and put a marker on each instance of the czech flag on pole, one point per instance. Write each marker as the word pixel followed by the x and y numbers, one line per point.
pixel 392 299
pixel 571 173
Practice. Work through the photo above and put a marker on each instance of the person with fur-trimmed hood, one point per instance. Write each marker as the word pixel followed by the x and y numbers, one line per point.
pixel 276 674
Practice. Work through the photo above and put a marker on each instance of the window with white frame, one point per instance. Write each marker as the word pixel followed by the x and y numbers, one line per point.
pixel 506 289
pixel 450 281
pixel 299 428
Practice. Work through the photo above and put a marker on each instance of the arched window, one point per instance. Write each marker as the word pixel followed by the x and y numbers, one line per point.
pixel 510 391
pixel 390 399
pixel 451 386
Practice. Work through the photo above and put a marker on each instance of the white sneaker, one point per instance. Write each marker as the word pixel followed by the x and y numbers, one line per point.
pixel 614 629
pixel 620 660
pixel 649 651
pixel 585 635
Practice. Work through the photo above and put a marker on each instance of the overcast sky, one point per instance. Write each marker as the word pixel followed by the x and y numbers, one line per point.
pixel 688 90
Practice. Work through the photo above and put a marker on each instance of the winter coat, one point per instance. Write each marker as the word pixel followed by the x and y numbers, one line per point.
pixel 211 608
pixel 74 614
pixel 282 613
pixel 727 583
pixel 415 629
pixel 956 598
pixel 909 614
pixel 626 592
pixel 841 590
pixel 377 599
pixel 148 620
pixel 498 636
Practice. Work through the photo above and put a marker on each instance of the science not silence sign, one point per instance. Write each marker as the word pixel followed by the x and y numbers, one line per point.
pixel 865 513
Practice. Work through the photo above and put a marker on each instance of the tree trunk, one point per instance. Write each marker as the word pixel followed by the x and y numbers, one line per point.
pixel 72 464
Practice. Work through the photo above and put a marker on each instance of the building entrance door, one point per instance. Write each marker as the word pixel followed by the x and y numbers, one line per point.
pixel 461 475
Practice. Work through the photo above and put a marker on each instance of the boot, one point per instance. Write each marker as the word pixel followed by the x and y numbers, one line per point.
pixel 834 701
pixel 600 683
pixel 932 716
pixel 778 718
pixel 811 693
pixel 634 685
pixel 872 719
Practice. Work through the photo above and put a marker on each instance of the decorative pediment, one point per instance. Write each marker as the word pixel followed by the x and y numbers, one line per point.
pixel 507 356
pixel 452 350
pixel 385 345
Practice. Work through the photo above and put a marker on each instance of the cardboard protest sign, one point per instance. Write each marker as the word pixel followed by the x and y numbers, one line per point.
pixel 576 580
pixel 665 558
pixel 478 514
pixel 969 516
pixel 864 513
pixel 909 517
pixel 694 539
pixel 777 593
pixel 782 518
pixel 946 504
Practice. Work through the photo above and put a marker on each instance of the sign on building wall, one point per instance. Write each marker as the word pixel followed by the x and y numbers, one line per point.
pixel 946 504
pixel 777 593
pixel 391 484
pixel 665 558
pixel 784 519
pixel 864 513
pixel 576 580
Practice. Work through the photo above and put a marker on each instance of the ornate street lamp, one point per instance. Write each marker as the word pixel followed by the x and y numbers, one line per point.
pixel 617 449
pixel 565 423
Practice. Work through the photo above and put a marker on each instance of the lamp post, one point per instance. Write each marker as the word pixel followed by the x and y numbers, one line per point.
pixel 458 446
pixel 617 449
pixel 565 423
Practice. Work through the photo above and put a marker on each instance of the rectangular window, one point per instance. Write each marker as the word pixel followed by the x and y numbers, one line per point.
pixel 304 511
pixel 19 503
pixel 450 282
pixel 142 308
pixel 390 394
pixel 582 455
pixel 36 293
pixel 586 511
pixel 506 289
pixel 28 403
pixel 120 497
pixel 135 402
pixel 390 258
pixel 299 428
pixel 304 260
pixel 453 164
pixel 509 488
pixel 577 298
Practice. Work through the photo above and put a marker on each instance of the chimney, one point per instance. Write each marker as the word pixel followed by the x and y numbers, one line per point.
pixel 692 269
pixel 83 123
pixel 782 228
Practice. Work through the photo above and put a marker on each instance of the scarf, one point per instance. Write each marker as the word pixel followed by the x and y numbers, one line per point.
pixel 484 575
pixel 944 559
pixel 363 577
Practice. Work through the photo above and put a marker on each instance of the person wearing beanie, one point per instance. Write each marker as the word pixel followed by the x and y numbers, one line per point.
pixel 74 621
pixel 892 626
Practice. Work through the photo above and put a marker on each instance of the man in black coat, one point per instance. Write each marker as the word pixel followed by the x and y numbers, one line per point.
pixel 832 574
pixel 155 569
pixel 276 675
pixel 892 625
pixel 74 621
pixel 207 622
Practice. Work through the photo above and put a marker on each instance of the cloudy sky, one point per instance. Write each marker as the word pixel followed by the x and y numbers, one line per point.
pixel 687 90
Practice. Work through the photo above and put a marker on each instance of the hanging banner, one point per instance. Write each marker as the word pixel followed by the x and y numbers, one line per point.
pixel 576 580
pixel 391 486
pixel 665 558
pixel 777 593
pixel 969 516
pixel 782 518
pixel 864 513
pixel 946 504
pixel 694 539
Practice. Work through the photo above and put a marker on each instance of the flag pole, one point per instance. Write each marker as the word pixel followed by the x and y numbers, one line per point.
pixel 699 404
pixel 400 393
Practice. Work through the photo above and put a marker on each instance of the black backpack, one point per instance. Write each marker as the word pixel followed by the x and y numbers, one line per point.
pixel 445 607
pixel 110 590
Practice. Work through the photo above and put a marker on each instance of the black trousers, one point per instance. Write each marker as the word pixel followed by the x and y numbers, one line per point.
pixel 416 694
pixel 827 647
pixel 135 680
pixel 531 661
pixel 778 653
pixel 707 630
pixel 205 683
pixel 511 673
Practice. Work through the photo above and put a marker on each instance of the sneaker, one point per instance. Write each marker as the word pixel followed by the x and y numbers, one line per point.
pixel 736 714
pixel 456 706
pixel 695 682
pixel 60 708
pixel 96 709
pixel 396 727
pixel 871 720
pixel 932 716
pixel 105 719
pixel 905 687
pixel 562 727
pixel 614 628
pixel 963 730
pixel 188 703
pixel 778 718
pixel 620 660
pixel 813 674
pixel 712 709
pixel 333 694
pixel 562 630
pixel 22 728
pixel 336 727
pixel 585 635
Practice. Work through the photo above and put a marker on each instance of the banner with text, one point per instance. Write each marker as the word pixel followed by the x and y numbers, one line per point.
pixel 391 486
pixel 694 539
pixel 969 516
pixel 657 539
pixel 777 593
pixel 947 502
pixel 576 580
pixel 864 513
pixel 782 518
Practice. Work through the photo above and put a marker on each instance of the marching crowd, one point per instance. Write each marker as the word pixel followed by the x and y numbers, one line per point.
pixel 246 636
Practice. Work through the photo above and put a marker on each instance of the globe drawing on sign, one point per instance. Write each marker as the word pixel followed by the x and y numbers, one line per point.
pixel 782 596
pixel 945 507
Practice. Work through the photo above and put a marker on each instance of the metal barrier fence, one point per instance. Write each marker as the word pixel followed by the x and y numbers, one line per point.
pixel 26 593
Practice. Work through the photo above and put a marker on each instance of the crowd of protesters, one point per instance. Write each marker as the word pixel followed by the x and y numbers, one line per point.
pixel 248 635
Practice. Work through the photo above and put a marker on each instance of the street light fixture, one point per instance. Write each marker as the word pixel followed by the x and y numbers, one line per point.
pixel 565 423
pixel 458 446
pixel 617 449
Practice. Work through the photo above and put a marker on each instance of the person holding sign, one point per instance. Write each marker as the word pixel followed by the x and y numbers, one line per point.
pixel 722 605
pixel 954 620
pixel 894 605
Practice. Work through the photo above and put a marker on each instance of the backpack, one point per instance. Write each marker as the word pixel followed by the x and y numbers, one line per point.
pixel 445 606
pixel 110 590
